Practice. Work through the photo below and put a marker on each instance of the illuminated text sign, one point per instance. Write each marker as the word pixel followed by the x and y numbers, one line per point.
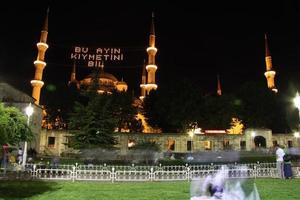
pixel 94 56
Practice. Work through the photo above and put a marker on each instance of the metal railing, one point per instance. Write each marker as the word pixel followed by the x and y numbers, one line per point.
pixel 150 173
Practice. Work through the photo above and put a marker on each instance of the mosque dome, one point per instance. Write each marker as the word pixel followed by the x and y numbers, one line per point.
pixel 107 82
pixel 103 75
pixel 108 76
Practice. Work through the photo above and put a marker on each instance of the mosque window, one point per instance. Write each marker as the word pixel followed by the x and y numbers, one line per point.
pixel 243 145
pixel 51 142
pixel 189 145
pixel 226 144
pixel 290 144
pixel 171 144
pixel 207 145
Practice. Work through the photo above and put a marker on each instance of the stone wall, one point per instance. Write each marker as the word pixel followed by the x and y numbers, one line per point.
pixel 199 143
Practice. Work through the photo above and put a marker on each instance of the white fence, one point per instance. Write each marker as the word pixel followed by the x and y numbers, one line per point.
pixel 151 173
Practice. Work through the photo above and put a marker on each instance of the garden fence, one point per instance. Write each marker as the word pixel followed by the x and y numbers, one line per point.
pixel 149 173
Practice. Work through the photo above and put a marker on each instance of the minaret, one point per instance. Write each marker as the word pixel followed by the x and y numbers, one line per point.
pixel 219 91
pixel 151 67
pixel 270 73
pixel 40 64
pixel 73 76
pixel 101 66
pixel 143 85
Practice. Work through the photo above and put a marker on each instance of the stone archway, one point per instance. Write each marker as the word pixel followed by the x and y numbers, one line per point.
pixel 260 142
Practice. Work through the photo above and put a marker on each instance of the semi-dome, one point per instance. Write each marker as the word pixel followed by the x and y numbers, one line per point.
pixel 121 86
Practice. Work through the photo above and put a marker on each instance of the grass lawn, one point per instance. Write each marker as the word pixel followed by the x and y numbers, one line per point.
pixel 269 189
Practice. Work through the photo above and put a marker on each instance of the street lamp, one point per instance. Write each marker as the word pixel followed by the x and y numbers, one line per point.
pixel 297 105
pixel 29 112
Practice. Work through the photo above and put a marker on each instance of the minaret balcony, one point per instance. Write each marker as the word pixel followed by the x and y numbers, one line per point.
pixel 151 49
pixel 39 62
pixel 151 67
pixel 42 45
pixel 275 90
pixel 270 74
pixel 37 83
pixel 151 86
pixel 143 85
pixel 142 98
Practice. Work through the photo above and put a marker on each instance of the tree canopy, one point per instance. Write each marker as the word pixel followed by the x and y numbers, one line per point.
pixel 173 107
pixel 13 126
pixel 262 108
pixel 176 107
pixel 95 119
pixel 94 123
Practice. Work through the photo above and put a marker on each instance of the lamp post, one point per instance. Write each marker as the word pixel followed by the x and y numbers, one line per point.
pixel 297 105
pixel 253 134
pixel 29 112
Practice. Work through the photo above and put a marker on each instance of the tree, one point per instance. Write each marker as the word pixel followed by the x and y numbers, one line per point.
pixel 218 111
pixel 93 124
pixel 173 107
pixel 58 103
pixel 178 106
pixel 13 126
pixel 237 127
pixel 94 120
pixel 124 112
pixel 261 108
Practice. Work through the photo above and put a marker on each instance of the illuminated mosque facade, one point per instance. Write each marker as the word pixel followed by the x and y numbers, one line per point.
pixel 53 142
pixel 107 82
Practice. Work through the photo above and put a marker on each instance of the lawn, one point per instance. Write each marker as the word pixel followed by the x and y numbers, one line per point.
pixel 269 189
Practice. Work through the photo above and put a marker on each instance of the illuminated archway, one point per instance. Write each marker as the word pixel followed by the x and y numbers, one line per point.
pixel 260 141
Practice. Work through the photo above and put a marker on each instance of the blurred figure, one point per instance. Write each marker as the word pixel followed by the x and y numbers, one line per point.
pixel 287 166
pixel 20 156
pixel 4 156
pixel 55 162
pixel 279 160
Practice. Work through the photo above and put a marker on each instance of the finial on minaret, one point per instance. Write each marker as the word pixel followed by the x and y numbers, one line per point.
pixel 219 90
pixel 45 26
pixel 152 29
pixel 268 53
pixel 73 73
pixel 73 76
pixel 102 66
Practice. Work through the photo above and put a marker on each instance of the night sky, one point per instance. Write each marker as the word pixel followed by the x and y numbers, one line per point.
pixel 194 42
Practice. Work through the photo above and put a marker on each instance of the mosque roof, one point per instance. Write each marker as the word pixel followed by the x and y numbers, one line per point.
pixel 104 75
pixel 108 76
